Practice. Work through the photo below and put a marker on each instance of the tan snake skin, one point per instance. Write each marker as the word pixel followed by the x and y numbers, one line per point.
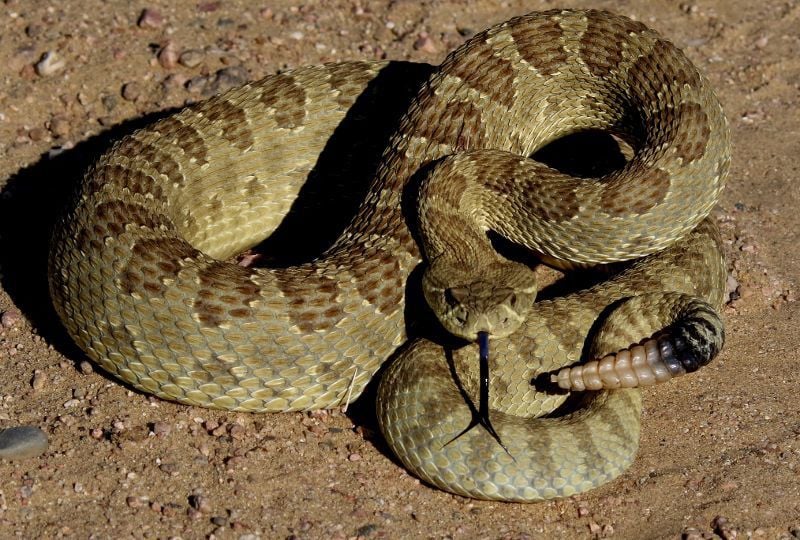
pixel 138 278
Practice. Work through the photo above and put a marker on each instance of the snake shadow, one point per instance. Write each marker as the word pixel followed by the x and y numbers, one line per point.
pixel 30 203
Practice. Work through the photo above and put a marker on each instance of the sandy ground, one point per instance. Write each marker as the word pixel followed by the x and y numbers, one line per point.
pixel 720 450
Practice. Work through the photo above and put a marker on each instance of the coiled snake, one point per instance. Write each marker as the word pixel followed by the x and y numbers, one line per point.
pixel 137 271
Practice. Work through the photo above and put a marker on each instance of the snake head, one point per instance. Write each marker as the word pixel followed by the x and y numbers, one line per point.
pixel 494 298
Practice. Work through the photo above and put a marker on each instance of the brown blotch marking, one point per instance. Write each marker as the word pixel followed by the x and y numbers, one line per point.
pixel 134 180
pixel 585 441
pixel 288 99
pixel 539 44
pixel 226 292
pixel 457 123
pixel 664 64
pixel 311 299
pixel 350 79
pixel 553 201
pixel 682 72
pixel 231 120
pixel 490 75
pixel 693 132
pixel 156 158
pixel 379 280
pixel 113 215
pixel 570 332
pixel 601 42
pixel 561 204
pixel 153 260
pixel 184 136
pixel 622 197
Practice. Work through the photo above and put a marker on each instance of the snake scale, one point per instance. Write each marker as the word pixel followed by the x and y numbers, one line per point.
pixel 140 270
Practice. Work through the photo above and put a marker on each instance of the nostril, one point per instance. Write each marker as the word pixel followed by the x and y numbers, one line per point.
pixel 449 298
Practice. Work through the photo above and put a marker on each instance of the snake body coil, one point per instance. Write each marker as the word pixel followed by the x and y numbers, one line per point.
pixel 138 278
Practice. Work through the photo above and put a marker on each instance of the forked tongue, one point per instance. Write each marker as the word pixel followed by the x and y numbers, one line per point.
pixel 483 403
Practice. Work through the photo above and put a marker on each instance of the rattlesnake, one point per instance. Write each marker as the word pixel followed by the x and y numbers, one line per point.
pixel 138 278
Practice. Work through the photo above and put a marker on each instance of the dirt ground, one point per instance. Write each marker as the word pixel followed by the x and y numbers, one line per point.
pixel 720 450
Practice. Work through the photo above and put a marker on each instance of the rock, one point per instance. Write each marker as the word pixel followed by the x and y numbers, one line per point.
pixel 10 318
pixel 49 64
pixel 191 58
pixel 224 79
pixel 425 43
pixel 59 126
pixel 131 91
pixel 22 442
pixel 39 380
pixel 168 56
pixel 208 7
pixel 150 18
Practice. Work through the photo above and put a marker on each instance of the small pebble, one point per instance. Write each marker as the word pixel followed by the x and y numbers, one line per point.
pixel 200 503
pixel 131 91
pixel 354 457
pixel 193 513
pixel 161 429
pixel 39 380
pixel 732 288
pixel 723 528
pixel 208 7
pixel 49 64
pixel 10 318
pixel 85 367
pixel 367 530
pixel 37 134
pixel 22 442
pixel 59 126
pixel 109 102
pixel 191 58
pixel 135 502
pixel 425 43
pixel 168 55
pixel 196 85
pixel 150 18
pixel 224 79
